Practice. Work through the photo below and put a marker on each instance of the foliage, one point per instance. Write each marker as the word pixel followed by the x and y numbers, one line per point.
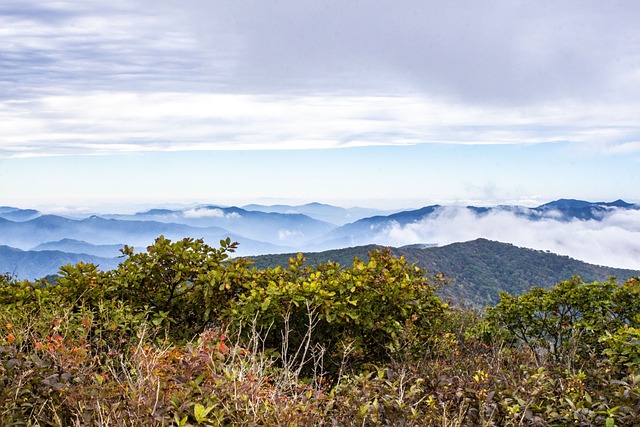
pixel 183 285
pixel 568 322
pixel 365 312
pixel 478 270
pixel 136 346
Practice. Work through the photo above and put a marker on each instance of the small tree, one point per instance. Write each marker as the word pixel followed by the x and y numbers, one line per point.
pixel 567 320
pixel 365 312
pixel 184 285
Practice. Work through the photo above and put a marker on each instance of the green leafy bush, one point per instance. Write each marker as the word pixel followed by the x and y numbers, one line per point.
pixel 363 313
pixel 566 322
pixel 183 285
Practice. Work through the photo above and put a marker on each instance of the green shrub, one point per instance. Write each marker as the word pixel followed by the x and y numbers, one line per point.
pixel 362 314
pixel 622 347
pixel 566 322
pixel 183 285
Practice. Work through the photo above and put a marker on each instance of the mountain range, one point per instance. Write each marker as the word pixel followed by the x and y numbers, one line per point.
pixel 319 227
pixel 32 265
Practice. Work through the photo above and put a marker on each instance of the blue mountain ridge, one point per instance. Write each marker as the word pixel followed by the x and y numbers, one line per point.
pixel 366 230
pixel 38 264
pixel 257 232
pixel 81 247
pixel 16 214
pixel 275 228
pixel 100 231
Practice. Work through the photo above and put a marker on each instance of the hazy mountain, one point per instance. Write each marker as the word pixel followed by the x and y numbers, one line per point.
pixel 327 213
pixel 101 231
pixel 600 232
pixel 16 214
pixel 81 247
pixel 568 209
pixel 290 229
pixel 365 230
pixel 422 223
pixel 479 269
pixel 38 264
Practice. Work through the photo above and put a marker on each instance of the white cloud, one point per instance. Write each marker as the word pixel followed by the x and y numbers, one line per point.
pixel 285 234
pixel 111 122
pixel 209 213
pixel 203 213
pixel 119 76
pixel 614 241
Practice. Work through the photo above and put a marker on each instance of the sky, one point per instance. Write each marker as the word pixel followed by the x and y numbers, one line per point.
pixel 373 103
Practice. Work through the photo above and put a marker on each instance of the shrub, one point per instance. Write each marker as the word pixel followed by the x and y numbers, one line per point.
pixel 565 321
pixel 363 313
pixel 183 285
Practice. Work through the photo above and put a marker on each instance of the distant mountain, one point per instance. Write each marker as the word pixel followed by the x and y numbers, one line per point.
pixel 327 213
pixel 364 231
pixel 479 269
pixel 16 214
pixel 38 264
pixel 569 209
pixel 375 229
pixel 81 247
pixel 283 229
pixel 100 231
pixel 603 232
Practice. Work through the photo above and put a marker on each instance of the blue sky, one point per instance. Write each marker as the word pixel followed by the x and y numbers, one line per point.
pixel 374 103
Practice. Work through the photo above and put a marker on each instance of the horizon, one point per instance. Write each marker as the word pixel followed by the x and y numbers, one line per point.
pixel 384 207
pixel 603 237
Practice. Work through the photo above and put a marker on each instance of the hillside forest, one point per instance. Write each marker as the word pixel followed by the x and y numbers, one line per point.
pixel 184 334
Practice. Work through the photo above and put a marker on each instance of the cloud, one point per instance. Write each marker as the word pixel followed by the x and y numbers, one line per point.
pixel 613 241
pixel 114 122
pixel 209 213
pixel 285 234
pixel 480 51
pixel 60 47
pixel 119 76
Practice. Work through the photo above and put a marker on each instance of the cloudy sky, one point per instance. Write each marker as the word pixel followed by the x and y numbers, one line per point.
pixel 377 103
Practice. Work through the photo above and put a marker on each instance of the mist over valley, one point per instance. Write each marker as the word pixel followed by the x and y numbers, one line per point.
pixel 600 233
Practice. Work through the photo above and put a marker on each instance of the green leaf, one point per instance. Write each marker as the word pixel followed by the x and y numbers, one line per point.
pixel 99 378
pixel 175 402
pixel 200 412
pixel 179 421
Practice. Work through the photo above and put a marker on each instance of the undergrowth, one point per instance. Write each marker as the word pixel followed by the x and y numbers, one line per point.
pixel 224 344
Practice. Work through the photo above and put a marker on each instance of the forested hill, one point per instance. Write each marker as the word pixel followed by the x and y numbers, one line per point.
pixel 479 269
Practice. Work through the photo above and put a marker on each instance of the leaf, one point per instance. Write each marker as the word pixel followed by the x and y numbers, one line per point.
pixel 200 412
pixel 200 378
pixel 99 378
pixel 175 402
pixel 180 422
